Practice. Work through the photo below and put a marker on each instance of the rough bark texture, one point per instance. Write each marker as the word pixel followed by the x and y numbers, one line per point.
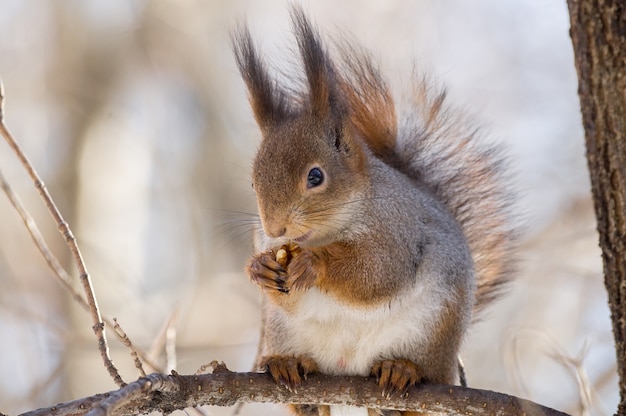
pixel 598 31
pixel 166 393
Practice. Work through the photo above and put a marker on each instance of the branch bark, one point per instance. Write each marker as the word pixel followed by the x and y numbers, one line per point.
pixel 166 393
pixel 598 32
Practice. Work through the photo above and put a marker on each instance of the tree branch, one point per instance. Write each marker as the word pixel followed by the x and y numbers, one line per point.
pixel 598 32
pixel 166 393
pixel 66 232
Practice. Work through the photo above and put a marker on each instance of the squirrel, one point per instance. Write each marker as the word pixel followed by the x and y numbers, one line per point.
pixel 383 231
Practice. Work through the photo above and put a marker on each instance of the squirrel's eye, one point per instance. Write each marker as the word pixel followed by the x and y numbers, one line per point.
pixel 315 178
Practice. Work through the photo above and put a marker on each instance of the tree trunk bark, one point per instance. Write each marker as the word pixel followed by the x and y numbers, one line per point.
pixel 598 32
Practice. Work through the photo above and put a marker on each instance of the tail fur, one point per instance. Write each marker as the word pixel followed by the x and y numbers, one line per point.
pixel 447 152
pixel 442 148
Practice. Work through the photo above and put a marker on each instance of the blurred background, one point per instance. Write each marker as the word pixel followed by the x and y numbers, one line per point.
pixel 136 118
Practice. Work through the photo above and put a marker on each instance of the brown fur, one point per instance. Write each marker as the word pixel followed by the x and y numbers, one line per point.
pixel 372 107
pixel 411 198
pixel 469 175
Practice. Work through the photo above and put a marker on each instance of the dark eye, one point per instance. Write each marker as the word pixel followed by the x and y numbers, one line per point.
pixel 315 178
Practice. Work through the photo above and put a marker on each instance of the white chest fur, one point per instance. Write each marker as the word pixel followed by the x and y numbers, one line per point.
pixel 345 340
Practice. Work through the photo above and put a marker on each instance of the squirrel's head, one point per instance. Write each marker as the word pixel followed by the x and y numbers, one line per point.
pixel 310 171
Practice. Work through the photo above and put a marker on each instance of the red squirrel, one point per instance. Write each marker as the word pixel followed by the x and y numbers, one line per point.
pixel 383 230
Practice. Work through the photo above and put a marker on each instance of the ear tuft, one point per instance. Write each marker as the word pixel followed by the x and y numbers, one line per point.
pixel 324 94
pixel 270 104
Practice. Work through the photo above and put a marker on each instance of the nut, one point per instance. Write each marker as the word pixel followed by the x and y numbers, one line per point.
pixel 281 257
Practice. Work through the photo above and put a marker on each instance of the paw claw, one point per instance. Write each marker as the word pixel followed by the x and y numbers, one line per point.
pixel 266 272
pixel 288 371
pixel 396 376
pixel 294 272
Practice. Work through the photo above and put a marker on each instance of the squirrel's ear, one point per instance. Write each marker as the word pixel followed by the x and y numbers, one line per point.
pixel 324 92
pixel 270 105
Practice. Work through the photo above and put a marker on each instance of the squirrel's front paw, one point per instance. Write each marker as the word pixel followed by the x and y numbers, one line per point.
pixel 301 270
pixel 288 268
pixel 268 273
pixel 396 376
pixel 288 371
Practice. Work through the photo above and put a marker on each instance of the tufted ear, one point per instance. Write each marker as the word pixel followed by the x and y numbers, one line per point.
pixel 270 104
pixel 324 92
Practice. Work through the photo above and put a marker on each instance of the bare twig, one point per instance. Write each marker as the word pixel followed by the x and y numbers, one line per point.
pixel 237 409
pixel 40 387
pixel 53 262
pixel 170 341
pixel 133 352
pixel 512 362
pixel 576 368
pixel 66 232
pixel 553 350
pixel 166 393
pixel 40 242
pixel 160 341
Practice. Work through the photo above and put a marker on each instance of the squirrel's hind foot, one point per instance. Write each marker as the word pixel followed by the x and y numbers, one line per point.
pixel 288 371
pixel 396 376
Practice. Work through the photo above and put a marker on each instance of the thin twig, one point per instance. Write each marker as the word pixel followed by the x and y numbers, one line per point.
pixel 40 242
pixel 170 341
pixel 160 341
pixel 54 263
pixel 553 350
pixel 66 232
pixel 237 409
pixel 576 368
pixel 133 352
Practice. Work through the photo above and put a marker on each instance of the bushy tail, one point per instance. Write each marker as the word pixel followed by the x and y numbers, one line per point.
pixel 443 149
pixel 447 151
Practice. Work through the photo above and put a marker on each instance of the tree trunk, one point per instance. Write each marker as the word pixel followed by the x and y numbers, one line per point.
pixel 598 31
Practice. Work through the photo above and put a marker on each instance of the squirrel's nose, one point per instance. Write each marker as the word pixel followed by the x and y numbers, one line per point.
pixel 275 231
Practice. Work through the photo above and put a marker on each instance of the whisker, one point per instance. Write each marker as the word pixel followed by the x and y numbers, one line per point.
pixel 235 228
pixel 336 205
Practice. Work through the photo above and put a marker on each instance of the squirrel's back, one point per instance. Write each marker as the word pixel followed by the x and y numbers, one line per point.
pixel 442 148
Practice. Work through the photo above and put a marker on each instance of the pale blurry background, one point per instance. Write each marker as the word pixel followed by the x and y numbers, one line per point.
pixel 135 116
